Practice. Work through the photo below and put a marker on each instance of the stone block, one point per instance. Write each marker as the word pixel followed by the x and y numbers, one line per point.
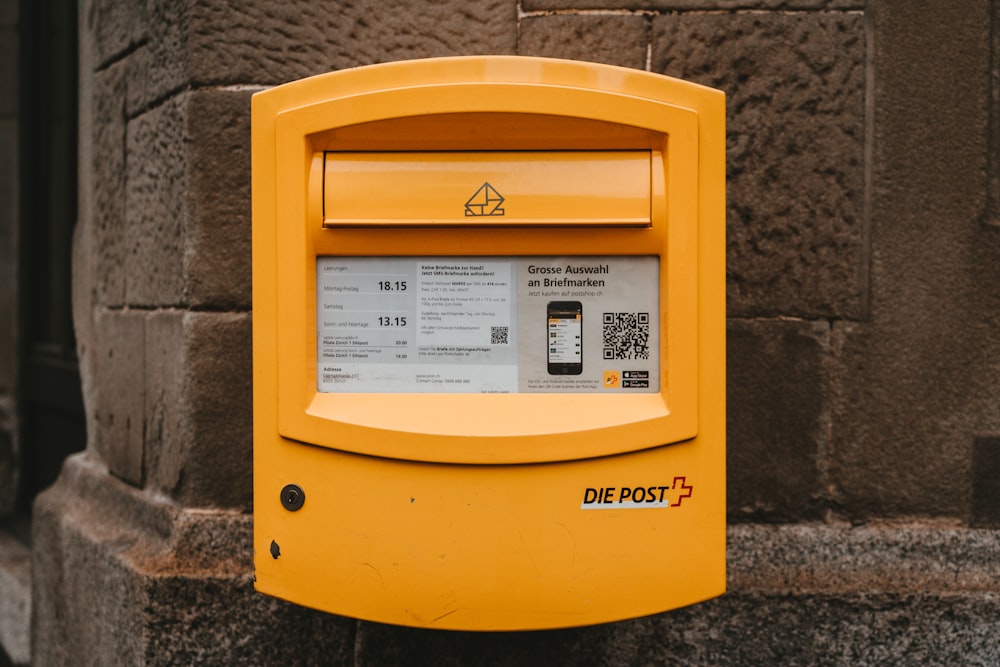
pixel 157 214
pixel 778 419
pixel 611 39
pixel 274 41
pixel 160 64
pixel 167 431
pixel 114 28
pixel 693 5
pixel 917 384
pixel 108 176
pixel 176 586
pixel 218 259
pixel 186 204
pixel 199 407
pixel 218 465
pixel 119 384
pixel 903 422
pixel 795 154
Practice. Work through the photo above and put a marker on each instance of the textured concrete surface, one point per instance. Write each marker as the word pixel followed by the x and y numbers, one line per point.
pixel 168 43
pixel 614 40
pixel 157 218
pixel 778 421
pixel 307 37
pixel 119 403
pixel 171 198
pixel 217 258
pixel 917 383
pixel 795 124
pixel 108 173
pixel 198 407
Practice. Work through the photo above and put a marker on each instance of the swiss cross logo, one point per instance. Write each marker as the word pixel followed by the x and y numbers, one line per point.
pixel 646 496
pixel 485 202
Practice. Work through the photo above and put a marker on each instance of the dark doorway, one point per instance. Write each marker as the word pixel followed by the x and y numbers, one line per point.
pixel 51 420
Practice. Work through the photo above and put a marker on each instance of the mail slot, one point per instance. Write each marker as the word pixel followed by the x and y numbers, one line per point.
pixel 489 343
pixel 575 188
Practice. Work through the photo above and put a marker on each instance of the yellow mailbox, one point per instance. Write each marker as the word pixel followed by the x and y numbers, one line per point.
pixel 489 331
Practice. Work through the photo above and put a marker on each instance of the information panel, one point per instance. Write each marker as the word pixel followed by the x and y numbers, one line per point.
pixel 488 324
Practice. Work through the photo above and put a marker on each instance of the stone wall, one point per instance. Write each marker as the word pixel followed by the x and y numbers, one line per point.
pixel 863 342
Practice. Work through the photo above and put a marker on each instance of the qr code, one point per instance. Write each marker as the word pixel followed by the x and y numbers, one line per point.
pixel 626 335
pixel 498 335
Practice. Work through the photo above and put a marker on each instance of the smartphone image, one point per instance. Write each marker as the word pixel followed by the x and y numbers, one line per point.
pixel 565 337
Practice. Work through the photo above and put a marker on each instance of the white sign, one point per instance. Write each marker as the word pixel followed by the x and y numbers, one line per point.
pixel 487 324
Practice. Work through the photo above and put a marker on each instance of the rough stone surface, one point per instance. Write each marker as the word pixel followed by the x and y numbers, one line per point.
pixel 740 629
pixel 615 39
pixel 916 385
pixel 120 383
pixel 167 412
pixel 219 394
pixel 778 420
pixel 156 204
pixel 172 225
pixel 218 254
pixel 109 176
pixel 306 37
pixel 884 558
pixel 692 5
pixel 197 438
pixel 199 428
pixel 174 585
pixel 795 129
pixel 159 66
pixel 116 28
pixel 802 595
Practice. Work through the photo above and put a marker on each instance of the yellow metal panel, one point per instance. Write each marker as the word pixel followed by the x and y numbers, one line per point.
pixel 492 512
pixel 493 547
pixel 407 418
pixel 507 188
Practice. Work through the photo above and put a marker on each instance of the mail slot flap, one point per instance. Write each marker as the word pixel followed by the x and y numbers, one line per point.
pixel 493 188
